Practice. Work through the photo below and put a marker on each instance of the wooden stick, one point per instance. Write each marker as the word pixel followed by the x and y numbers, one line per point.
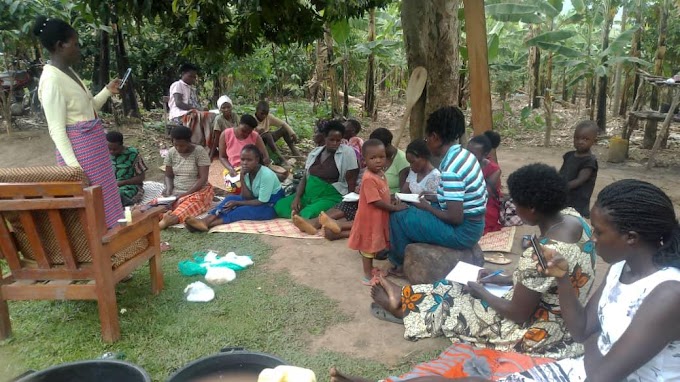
pixel 664 129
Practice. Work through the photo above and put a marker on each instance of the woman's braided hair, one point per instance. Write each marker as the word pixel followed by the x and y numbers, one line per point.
pixel 634 205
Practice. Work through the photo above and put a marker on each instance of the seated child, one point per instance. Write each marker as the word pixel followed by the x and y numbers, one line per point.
pixel 129 168
pixel 422 176
pixel 481 146
pixel 352 128
pixel 370 231
pixel 579 168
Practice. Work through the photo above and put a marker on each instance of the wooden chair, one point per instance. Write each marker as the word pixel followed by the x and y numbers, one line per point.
pixel 57 246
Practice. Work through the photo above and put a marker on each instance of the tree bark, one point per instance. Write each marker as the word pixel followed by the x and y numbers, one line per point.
pixel 130 106
pixel 609 13
pixel 415 16
pixel 332 73
pixel 102 64
pixel 535 70
pixel 616 97
pixel 632 77
pixel 547 100
pixel 369 99
pixel 651 125
pixel 345 83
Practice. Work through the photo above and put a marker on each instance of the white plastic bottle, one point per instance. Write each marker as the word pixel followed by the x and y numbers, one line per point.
pixel 128 214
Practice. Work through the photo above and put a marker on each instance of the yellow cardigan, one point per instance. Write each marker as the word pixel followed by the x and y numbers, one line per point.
pixel 65 102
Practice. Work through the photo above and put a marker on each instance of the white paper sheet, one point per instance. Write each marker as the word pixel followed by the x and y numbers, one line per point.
pixel 408 198
pixel 463 272
pixel 351 197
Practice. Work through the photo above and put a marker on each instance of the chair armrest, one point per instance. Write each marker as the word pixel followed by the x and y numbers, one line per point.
pixel 138 219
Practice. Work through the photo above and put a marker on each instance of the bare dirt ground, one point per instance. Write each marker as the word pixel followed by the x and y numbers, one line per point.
pixel 335 270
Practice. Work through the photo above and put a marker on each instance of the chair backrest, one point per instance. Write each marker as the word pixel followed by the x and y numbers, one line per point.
pixel 45 223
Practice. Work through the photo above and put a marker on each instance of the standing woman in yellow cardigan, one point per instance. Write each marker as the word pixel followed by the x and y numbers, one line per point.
pixel 71 112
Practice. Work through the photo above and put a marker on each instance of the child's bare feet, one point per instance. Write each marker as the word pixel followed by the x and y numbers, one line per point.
pixel 303 225
pixel 336 376
pixel 195 225
pixel 329 223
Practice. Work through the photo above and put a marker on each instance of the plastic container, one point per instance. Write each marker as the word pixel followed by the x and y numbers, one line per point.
pixel 235 360
pixel 618 150
pixel 102 370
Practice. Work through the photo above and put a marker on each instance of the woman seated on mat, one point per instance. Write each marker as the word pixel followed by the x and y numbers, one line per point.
pixel 186 177
pixel 456 219
pixel 331 172
pixel 481 146
pixel 396 169
pixel 422 178
pixel 633 314
pixel 527 318
pixel 226 119
pixel 262 190
pixel 232 141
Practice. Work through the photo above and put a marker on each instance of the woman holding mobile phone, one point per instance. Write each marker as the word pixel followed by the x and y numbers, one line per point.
pixel 527 319
pixel 71 112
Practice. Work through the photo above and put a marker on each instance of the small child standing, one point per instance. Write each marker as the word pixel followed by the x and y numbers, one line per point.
pixel 370 230
pixel 579 168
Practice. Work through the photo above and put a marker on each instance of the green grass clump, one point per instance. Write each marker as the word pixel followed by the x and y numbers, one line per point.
pixel 261 310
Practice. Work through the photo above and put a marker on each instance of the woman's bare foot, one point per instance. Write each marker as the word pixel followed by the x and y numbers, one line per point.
pixel 387 297
pixel 329 223
pixel 303 225
pixel 196 225
pixel 167 221
pixel 332 236
pixel 336 376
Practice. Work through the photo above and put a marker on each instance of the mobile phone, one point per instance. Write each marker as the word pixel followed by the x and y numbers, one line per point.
pixel 125 78
pixel 539 252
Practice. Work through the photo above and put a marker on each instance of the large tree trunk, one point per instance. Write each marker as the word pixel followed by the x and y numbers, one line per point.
pixel 130 106
pixel 102 64
pixel 443 61
pixel 650 127
pixel 609 13
pixel 547 101
pixel 369 99
pixel 415 16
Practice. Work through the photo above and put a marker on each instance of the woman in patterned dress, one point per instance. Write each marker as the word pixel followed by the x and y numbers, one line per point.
pixel 527 318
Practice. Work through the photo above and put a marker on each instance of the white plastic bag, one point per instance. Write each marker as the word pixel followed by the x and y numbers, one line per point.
pixel 199 292
pixel 219 275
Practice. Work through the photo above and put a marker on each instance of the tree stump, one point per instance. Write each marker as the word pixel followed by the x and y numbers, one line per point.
pixel 426 263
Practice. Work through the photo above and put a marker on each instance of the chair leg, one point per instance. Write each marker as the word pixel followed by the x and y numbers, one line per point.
pixel 5 325
pixel 156 271
pixel 108 312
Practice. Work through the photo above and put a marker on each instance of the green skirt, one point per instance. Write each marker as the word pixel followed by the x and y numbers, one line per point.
pixel 319 196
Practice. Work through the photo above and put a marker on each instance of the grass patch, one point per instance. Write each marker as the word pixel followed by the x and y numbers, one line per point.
pixel 260 310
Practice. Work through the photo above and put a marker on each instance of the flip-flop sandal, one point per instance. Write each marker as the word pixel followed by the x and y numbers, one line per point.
pixel 497 258
pixel 395 273
pixel 380 313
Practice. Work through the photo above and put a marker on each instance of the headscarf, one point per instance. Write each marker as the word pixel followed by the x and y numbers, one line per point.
pixel 222 100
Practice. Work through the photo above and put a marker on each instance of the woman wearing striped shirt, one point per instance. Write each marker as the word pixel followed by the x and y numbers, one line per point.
pixel 454 217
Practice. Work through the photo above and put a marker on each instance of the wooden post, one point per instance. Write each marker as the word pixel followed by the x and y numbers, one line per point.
pixel 664 129
pixel 480 90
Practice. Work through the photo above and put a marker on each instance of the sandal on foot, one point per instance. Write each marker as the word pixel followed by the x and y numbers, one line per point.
pixel 380 313
pixel 497 258
pixel 368 282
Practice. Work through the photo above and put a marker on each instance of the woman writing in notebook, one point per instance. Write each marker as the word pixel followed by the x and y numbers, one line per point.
pixel 527 318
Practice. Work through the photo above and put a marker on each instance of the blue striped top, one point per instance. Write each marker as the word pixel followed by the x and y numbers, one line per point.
pixel 462 181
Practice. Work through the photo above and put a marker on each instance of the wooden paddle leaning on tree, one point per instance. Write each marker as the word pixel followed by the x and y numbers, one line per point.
pixel 416 84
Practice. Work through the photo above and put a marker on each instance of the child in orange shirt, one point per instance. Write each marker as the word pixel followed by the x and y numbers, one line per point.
pixel 370 231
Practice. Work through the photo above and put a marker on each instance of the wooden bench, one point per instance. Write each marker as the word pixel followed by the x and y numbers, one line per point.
pixel 55 242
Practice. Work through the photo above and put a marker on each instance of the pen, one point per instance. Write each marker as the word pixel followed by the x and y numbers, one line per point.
pixel 492 274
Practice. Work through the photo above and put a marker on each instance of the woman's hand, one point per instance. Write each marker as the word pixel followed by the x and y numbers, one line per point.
pixel 428 196
pixel 295 206
pixel 499 279
pixel 114 86
pixel 558 266
pixel 399 206
pixel 476 290
pixel 231 205
pixel 423 204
